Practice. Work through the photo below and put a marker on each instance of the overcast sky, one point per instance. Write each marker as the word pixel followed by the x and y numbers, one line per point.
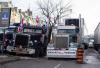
pixel 89 9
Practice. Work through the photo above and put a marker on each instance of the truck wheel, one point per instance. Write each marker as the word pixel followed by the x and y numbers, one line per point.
pixel 37 53
pixel 99 50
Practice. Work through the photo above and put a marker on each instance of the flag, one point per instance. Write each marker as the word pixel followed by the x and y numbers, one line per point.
pixel 37 19
pixel 20 28
pixel 27 18
pixel 22 22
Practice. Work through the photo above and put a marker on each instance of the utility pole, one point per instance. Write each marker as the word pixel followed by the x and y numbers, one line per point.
pixel 70 12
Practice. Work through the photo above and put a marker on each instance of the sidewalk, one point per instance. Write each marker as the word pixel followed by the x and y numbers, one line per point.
pixel 6 59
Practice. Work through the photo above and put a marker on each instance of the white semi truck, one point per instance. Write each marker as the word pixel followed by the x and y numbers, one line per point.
pixel 66 39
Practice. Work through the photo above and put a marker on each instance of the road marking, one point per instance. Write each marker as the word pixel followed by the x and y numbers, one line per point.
pixel 57 66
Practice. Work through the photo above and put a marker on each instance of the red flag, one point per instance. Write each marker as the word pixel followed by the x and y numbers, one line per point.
pixel 37 19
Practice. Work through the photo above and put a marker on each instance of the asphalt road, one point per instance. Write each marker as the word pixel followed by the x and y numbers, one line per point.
pixel 48 63
pixel 91 61
pixel 91 56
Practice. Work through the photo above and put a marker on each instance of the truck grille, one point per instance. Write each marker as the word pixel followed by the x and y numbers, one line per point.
pixel 21 39
pixel 61 41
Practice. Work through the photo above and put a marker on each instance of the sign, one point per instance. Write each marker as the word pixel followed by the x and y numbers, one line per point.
pixel 5 17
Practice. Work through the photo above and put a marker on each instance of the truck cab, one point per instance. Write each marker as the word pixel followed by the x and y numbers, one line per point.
pixel 31 41
pixel 66 38
pixel 64 42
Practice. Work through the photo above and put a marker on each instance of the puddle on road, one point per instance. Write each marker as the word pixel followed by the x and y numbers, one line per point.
pixel 91 57
pixel 91 60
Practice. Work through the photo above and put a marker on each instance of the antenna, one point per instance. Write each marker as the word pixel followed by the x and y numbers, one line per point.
pixel 80 28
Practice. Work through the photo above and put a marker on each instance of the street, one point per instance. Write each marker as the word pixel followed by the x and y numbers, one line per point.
pixel 49 34
pixel 49 63
pixel 91 56
pixel 91 60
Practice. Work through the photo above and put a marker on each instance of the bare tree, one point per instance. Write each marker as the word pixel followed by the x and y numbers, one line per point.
pixel 55 10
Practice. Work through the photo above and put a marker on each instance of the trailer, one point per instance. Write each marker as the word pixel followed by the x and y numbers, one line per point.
pixel 97 38
pixel 65 39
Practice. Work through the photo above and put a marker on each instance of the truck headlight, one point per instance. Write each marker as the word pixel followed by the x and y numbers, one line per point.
pixel 35 41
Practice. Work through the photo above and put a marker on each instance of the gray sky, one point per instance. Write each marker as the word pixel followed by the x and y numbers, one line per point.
pixel 89 9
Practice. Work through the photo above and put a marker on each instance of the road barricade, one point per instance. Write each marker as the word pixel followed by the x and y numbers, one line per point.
pixel 79 55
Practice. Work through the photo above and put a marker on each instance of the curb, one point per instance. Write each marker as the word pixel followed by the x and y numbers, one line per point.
pixel 9 60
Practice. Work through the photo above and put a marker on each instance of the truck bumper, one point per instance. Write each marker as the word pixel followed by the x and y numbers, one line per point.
pixel 61 54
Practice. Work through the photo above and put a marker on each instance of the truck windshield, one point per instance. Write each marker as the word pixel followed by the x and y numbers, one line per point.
pixel 1 31
pixel 32 30
pixel 68 31
pixel 9 30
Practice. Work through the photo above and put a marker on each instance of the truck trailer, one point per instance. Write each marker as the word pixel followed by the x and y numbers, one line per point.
pixel 97 38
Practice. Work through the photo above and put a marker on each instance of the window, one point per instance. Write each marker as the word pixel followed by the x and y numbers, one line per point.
pixel 69 31
pixel 32 30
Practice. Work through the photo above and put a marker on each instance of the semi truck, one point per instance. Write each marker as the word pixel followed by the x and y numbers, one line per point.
pixel 97 38
pixel 31 41
pixel 66 39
